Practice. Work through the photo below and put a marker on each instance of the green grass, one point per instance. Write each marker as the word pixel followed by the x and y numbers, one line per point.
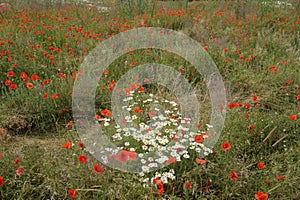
pixel 34 128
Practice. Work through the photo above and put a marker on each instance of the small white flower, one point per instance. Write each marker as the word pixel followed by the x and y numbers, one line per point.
pixel 126 144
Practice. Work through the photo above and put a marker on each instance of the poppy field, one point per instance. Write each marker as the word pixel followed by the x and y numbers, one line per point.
pixel 255 45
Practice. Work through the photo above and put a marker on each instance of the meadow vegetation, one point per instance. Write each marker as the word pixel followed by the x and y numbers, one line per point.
pixel 255 45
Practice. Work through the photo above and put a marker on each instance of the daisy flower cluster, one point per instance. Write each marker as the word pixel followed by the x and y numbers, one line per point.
pixel 152 132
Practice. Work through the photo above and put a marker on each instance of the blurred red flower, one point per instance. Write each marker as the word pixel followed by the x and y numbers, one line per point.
pixel 98 169
pixel 233 175
pixel 261 196
pixel 82 159
pixel 293 117
pixel 226 146
pixel 261 165
pixel 67 145
pixel 72 194
pixel 20 171
pixel 1 181
pixel 188 185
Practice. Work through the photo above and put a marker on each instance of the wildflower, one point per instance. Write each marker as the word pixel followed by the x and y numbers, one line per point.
pixel 200 161
pixel 10 74
pixel 54 96
pixel 20 171
pixel 29 85
pixel 17 161
pixel 293 117
pixel 1 181
pixel 80 144
pixel 273 68
pixel 122 156
pixel 132 64
pixel 98 169
pixel 137 110
pixel 261 165
pixel 233 175
pixel 261 196
pixel 280 177
pixel 45 96
pixel 82 159
pixel 35 77
pixel 226 146
pixel 188 185
pixel 251 127
pixel 254 97
pixel 160 188
pixel 7 82
pixel 13 86
pixel 69 124
pixel 170 160
pixel 72 194
pixel 247 106
pixel 106 113
pixel 67 145
pixel 198 138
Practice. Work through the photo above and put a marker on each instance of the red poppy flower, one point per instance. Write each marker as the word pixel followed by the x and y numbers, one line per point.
pixel 72 194
pixel 137 110
pixel 122 156
pixel 132 64
pixel 170 161
pixel 98 169
pixel 293 117
pixel 200 161
pixel 1 132
pixel 251 127
pixel 106 113
pixel 247 106
pixel 226 146
pixel 131 155
pixel 69 124
pixel 261 165
pixel 233 175
pixel 254 97
pixel 67 145
pixel 20 171
pixel 7 82
pixel 35 77
pixel 160 188
pixel 45 96
pixel 82 159
pixel 54 96
pixel 111 85
pixel 142 89
pixel 29 85
pixel 198 138
pixel 261 196
pixel 188 185
pixel 1 181
pixel 13 86
pixel 152 113
pixel 17 161
pixel 80 144
pixel 280 177
pixel 10 74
